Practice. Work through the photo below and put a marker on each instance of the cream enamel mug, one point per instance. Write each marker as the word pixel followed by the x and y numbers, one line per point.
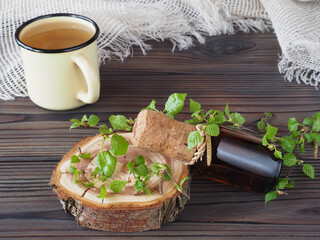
pixel 60 60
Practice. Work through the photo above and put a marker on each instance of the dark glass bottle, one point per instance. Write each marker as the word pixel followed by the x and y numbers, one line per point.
pixel 241 163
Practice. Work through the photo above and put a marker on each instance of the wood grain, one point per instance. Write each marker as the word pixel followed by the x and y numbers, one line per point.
pixel 240 70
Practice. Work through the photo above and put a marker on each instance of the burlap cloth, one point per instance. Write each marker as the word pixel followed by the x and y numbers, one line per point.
pixel 125 23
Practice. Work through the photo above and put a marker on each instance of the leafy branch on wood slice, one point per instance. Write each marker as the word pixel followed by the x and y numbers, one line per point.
pixel 107 161
pixel 143 174
pixel 283 147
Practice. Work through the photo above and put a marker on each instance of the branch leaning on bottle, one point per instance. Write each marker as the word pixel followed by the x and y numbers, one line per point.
pixel 211 120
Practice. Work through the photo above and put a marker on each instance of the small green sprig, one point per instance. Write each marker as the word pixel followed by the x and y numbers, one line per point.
pixel 164 172
pixel 118 122
pixel 143 174
pixel 173 105
pixel 115 185
pixel 284 148
pixel 106 160
pixel 76 159
pixel 262 123
pixel 211 121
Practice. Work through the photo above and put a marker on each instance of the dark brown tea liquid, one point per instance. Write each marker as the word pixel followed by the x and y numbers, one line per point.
pixel 241 163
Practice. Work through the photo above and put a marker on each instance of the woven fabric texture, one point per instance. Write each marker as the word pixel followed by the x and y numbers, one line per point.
pixel 125 23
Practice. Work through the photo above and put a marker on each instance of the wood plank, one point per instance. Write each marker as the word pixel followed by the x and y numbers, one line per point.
pixel 240 70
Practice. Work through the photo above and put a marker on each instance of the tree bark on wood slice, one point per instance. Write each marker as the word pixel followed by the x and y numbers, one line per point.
pixel 124 211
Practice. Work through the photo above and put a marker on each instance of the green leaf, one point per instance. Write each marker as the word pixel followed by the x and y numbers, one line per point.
pixel 119 122
pixel 271 131
pixel 210 112
pixel 151 106
pixel 175 103
pixel 316 125
pixel 289 160
pixel 282 183
pixel 87 184
pixel 308 121
pixel 268 114
pixel 292 124
pixel 76 176
pixel 231 117
pixel 290 185
pixel 288 144
pixel 84 118
pixel 238 118
pixel 103 192
pixel 183 180
pixel 130 165
pixel 107 163
pixel 141 170
pixel 75 159
pixel 72 170
pixel 75 120
pixel 277 154
pixel 308 170
pixel 196 114
pixel 165 175
pixel 212 130
pixel 220 118
pixel 301 147
pixel 295 135
pixel 96 171
pixel 194 106
pixel 147 191
pixel 315 136
pixel 194 139
pixel 194 120
pixel 170 115
pixel 146 178
pixel 178 187
pixel 119 145
pixel 138 185
pixel 270 196
pixel 85 156
pixel 140 160
pixel 104 129
pixel 156 167
pixel 226 110
pixel 308 137
pixel 316 115
pixel 116 185
pixel 264 140
pixel 261 125
pixel 74 125
pixel 93 120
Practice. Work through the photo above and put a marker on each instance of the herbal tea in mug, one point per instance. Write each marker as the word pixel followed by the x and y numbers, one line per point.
pixel 60 60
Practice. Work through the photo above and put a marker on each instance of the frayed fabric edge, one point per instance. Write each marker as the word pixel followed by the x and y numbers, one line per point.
pixel 294 72
pixel 122 44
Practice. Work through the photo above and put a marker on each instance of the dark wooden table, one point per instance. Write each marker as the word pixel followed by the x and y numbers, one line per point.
pixel 240 70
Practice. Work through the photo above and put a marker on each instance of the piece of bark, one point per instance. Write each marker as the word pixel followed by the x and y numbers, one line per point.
pixel 157 132
pixel 121 212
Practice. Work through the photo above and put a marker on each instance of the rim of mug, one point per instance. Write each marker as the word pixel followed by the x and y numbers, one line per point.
pixel 69 49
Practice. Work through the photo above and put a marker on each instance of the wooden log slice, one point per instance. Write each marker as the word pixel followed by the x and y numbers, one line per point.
pixel 124 211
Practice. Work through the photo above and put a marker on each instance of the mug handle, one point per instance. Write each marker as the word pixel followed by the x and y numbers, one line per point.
pixel 92 80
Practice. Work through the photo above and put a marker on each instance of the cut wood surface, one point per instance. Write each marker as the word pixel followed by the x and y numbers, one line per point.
pixel 240 70
pixel 124 211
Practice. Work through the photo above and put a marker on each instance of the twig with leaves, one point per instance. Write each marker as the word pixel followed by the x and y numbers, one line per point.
pixel 300 134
